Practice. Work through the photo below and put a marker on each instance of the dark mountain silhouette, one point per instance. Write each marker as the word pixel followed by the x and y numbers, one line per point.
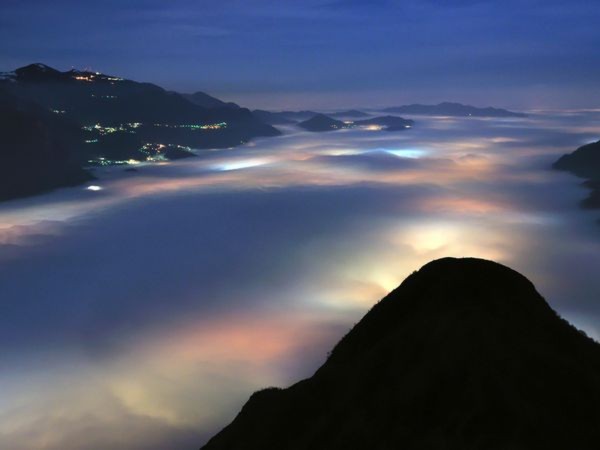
pixel 321 122
pixel 442 109
pixel 38 150
pixel 584 162
pixel 208 101
pixel 452 109
pixel 90 98
pixel 464 355
pixel 351 113
pixel 55 123
pixel 389 123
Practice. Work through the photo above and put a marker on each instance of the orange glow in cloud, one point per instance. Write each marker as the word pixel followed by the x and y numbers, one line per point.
pixel 234 338
pixel 461 206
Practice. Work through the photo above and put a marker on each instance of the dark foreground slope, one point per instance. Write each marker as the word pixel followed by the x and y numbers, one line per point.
pixel 584 162
pixel 464 355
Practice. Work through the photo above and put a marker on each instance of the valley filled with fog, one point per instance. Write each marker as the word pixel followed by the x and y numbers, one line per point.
pixel 142 309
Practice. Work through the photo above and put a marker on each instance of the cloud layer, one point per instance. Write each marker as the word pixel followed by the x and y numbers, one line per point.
pixel 144 314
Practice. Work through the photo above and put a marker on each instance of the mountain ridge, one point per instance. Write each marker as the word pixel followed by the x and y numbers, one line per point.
pixel 208 101
pixel 38 149
pixel 106 120
pixel 453 109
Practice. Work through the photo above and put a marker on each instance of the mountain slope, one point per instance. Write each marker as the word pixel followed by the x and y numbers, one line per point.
pixel 38 149
pixel 91 98
pixel 208 101
pixel 464 355
pixel 55 123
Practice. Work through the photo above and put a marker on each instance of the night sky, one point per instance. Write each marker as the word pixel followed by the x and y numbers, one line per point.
pixel 323 53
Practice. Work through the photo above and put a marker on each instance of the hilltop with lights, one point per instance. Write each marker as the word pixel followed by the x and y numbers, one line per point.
pixel 94 119
pixel 322 122
pixel 121 118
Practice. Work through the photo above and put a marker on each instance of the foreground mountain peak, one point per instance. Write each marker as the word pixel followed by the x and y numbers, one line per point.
pixel 464 354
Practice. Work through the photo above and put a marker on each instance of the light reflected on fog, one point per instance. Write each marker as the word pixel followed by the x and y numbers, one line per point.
pixel 405 153
pixel 193 283
pixel 240 164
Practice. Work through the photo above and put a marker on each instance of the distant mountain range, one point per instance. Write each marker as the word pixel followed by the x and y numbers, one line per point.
pixel 464 355
pixel 452 109
pixel 441 109
pixel 113 120
pixel 321 122
pixel 585 163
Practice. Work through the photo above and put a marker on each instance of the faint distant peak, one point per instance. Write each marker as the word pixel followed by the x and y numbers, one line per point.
pixel 321 122
pixel 453 109
pixel 351 113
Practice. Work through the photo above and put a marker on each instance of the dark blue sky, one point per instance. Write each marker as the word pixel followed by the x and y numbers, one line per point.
pixel 281 53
